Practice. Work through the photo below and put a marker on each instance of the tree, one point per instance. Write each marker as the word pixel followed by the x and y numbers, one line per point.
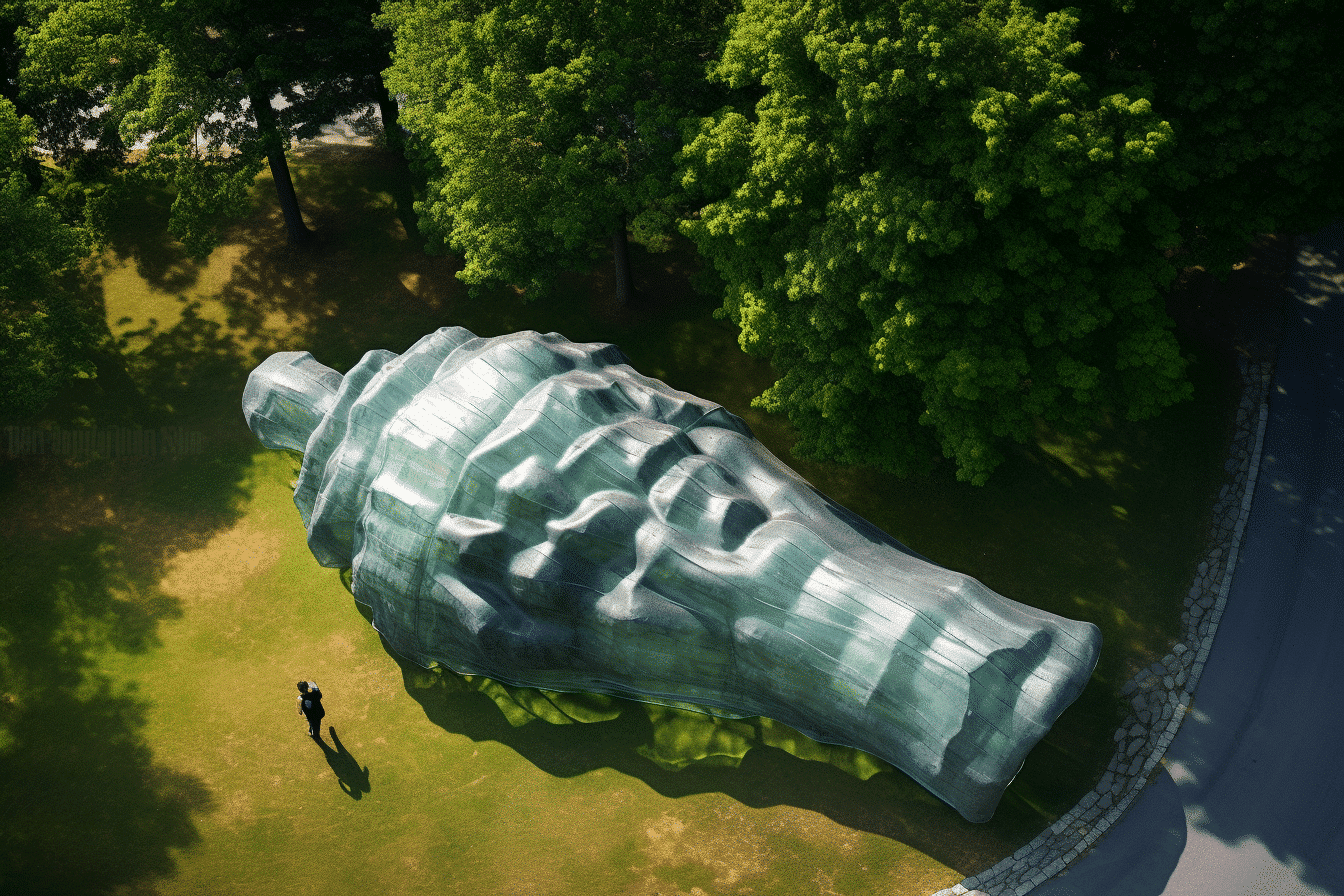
pixel 68 119
pixel 46 334
pixel 197 82
pixel 939 233
pixel 548 126
pixel 1254 93
pixel 11 18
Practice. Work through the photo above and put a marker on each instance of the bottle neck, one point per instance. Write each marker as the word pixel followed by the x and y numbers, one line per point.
pixel 286 397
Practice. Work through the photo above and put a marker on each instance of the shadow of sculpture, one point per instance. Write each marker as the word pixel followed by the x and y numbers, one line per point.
pixel 889 804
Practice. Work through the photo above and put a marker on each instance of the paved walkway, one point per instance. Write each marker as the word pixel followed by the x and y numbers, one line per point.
pixel 1250 799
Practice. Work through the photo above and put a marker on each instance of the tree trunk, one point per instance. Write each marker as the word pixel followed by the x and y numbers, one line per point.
pixel 387 108
pixel 298 232
pixel 620 247
pixel 403 193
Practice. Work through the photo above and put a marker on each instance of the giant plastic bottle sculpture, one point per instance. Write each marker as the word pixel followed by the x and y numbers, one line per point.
pixel 535 511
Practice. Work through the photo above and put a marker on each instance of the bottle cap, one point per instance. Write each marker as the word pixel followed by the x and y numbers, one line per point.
pixel 286 397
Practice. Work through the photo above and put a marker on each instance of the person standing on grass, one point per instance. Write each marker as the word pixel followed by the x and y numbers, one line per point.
pixel 310 707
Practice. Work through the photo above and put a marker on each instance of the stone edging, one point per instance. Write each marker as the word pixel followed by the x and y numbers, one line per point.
pixel 1160 695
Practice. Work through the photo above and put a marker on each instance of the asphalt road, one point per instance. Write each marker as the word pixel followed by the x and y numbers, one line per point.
pixel 1251 802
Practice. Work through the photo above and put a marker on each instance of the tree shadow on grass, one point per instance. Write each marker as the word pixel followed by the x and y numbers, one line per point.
pixel 84 807
pixel 367 167
pixel 190 374
pixel 361 284
pixel 141 237
pixel 365 282
pixel 87 538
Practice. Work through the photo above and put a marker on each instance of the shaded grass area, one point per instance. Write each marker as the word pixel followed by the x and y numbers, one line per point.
pixel 131 576
pixel 85 805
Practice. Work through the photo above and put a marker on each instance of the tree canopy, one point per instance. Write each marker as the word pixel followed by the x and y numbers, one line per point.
pixel 946 223
pixel 196 83
pixel 547 126
pixel 1254 92
pixel 938 231
pixel 45 333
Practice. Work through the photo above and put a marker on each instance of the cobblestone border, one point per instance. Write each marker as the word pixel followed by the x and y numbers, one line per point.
pixel 1159 695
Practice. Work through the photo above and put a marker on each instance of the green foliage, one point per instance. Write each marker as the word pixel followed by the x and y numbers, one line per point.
pixel 67 115
pixel 938 231
pixel 194 85
pixel 45 333
pixel 683 735
pixel 546 125
pixel 683 738
pixel 1255 95
pixel 83 184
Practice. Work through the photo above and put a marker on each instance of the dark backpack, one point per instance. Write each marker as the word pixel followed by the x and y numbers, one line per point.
pixel 312 703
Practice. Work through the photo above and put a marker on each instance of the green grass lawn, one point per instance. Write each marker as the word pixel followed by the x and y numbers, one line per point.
pixel 158 612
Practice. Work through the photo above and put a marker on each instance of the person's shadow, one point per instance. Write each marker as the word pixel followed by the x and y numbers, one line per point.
pixel 353 780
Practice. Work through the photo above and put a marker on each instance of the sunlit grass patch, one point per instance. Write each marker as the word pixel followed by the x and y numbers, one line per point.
pixel 1084 455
